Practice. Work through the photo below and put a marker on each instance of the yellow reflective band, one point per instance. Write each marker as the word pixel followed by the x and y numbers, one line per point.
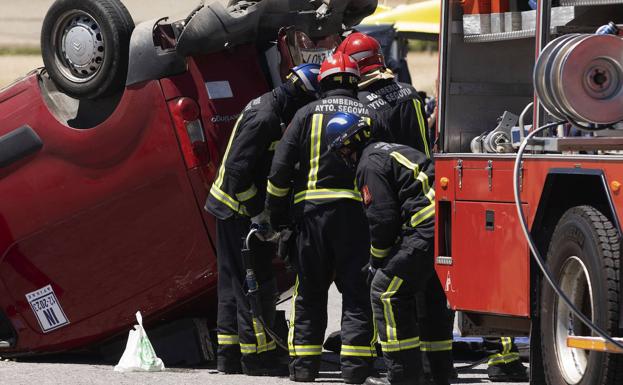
pixel 506 345
pixel 276 191
pixel 406 162
pixel 424 214
pixel 273 146
pixel 228 201
pixel 423 125
pixel 305 350
pixel 314 155
pixel 358 351
pixel 499 359
pixel 327 194
pixel 260 336
pixel 246 195
pixel 221 171
pixel 293 315
pixel 436 346
pixel 395 346
pixel 431 195
pixel 422 177
pixel 379 253
pixel 227 339
pixel 388 311
pixel 252 348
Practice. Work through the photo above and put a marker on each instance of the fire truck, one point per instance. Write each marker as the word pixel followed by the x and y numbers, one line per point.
pixel 504 70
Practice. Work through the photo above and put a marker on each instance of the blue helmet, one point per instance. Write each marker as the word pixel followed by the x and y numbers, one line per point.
pixel 347 130
pixel 307 74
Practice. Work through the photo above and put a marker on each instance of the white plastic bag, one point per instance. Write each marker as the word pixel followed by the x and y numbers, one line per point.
pixel 139 354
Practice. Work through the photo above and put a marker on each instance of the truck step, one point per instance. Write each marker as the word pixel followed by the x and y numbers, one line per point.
pixel 594 343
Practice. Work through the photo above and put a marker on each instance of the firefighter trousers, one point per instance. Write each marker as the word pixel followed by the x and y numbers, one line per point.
pixel 241 336
pixel 408 276
pixel 332 245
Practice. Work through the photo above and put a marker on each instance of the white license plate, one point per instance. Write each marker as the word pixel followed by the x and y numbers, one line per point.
pixel 47 309
pixel 315 56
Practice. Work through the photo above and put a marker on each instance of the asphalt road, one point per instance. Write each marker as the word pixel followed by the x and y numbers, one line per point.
pixel 81 371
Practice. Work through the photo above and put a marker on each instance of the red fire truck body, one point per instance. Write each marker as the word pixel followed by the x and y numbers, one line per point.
pixel 490 270
pixel 570 194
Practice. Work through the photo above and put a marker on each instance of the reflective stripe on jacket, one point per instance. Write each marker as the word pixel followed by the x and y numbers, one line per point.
pixel 321 176
pixel 397 186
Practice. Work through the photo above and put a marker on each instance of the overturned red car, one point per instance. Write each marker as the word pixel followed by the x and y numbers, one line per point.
pixel 107 155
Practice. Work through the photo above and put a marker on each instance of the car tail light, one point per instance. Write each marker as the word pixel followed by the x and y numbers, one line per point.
pixel 187 120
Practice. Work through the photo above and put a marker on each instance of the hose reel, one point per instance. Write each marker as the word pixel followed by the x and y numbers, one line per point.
pixel 579 77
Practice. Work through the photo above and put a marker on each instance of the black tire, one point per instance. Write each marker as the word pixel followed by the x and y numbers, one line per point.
pixel 103 29
pixel 584 244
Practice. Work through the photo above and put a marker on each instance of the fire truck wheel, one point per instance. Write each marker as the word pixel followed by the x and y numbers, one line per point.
pixel 85 46
pixel 583 258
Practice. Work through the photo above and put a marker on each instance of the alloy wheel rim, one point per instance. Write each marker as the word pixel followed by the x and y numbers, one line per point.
pixel 575 282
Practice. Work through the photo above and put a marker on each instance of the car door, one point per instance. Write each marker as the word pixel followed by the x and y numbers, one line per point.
pixel 104 217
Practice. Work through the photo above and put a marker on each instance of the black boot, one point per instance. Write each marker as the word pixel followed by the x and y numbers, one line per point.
pixel 304 369
pixel 228 367
pixel 264 364
pixel 514 371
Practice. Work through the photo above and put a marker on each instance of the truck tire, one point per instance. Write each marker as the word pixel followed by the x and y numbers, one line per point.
pixel 583 258
pixel 85 46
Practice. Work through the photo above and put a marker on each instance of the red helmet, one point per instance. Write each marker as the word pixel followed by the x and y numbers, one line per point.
pixel 338 64
pixel 365 49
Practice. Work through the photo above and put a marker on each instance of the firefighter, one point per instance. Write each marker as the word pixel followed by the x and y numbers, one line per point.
pixel 396 185
pixel 398 104
pixel 403 111
pixel 504 363
pixel 332 237
pixel 237 199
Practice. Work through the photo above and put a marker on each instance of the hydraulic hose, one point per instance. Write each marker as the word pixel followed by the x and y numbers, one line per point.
pixel 256 306
pixel 535 252
pixel 253 287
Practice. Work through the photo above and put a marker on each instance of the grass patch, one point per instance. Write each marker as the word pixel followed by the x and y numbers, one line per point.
pixel 20 51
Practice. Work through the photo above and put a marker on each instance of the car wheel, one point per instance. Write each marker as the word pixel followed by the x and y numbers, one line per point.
pixel 85 45
pixel 584 260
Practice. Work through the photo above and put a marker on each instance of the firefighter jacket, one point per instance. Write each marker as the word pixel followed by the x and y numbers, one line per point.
pixel 396 185
pixel 322 176
pixel 240 185
pixel 399 107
